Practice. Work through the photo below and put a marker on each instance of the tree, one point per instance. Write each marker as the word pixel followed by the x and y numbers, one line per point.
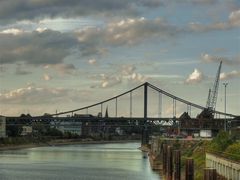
pixel 221 142
pixel 13 130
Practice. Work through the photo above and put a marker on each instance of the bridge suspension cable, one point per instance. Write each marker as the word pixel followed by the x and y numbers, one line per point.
pixel 185 101
pixel 99 103
pixel 145 85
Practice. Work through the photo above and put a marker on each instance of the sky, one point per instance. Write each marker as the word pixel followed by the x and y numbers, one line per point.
pixel 58 55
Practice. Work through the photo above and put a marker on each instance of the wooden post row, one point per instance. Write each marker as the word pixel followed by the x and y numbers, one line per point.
pixel 210 174
pixel 177 165
pixel 189 169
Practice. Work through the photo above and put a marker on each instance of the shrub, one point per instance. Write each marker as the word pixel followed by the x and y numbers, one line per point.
pixel 233 151
pixel 221 142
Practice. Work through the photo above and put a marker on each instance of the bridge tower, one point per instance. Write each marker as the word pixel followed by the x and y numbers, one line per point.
pixel 145 131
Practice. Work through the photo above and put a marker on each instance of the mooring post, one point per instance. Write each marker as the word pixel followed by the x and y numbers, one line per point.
pixel 177 165
pixel 210 174
pixel 169 163
pixel 189 169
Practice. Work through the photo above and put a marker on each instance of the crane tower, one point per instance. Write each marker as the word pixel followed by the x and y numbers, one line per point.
pixel 208 112
pixel 213 93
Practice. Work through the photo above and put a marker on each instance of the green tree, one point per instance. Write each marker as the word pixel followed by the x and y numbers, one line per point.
pixel 53 132
pixel 221 142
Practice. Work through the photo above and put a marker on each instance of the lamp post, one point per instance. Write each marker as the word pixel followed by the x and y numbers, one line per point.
pixel 225 106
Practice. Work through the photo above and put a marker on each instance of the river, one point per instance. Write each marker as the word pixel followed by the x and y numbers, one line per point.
pixel 114 161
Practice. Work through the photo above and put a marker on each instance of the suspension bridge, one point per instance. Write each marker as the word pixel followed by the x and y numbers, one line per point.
pixel 184 121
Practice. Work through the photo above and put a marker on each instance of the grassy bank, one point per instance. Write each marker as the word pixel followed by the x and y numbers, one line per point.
pixel 224 145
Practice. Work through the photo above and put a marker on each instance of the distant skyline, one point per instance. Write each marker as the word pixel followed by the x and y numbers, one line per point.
pixel 63 55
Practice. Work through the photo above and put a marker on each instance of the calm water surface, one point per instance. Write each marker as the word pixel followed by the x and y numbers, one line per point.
pixel 114 161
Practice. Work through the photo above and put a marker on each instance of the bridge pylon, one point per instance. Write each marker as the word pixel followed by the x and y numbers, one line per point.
pixel 145 130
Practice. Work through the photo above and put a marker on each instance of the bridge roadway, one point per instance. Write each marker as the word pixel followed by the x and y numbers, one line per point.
pixel 86 119
pixel 91 118
pixel 94 118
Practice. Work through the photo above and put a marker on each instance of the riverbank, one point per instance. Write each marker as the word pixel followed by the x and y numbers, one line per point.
pixel 60 142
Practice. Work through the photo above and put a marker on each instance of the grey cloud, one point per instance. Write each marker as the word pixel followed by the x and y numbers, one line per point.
pixel 16 10
pixel 12 10
pixel 211 58
pixel 230 75
pixel 232 22
pixel 127 32
pixel 198 1
pixel 35 48
pixel 22 71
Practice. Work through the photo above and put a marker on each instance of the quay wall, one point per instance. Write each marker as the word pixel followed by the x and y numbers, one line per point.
pixel 224 167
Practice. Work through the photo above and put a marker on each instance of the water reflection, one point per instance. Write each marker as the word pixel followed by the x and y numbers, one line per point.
pixel 87 162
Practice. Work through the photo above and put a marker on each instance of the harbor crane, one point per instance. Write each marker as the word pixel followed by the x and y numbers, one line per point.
pixel 208 112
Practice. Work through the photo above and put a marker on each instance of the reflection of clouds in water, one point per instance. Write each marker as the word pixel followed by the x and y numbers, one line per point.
pixel 91 161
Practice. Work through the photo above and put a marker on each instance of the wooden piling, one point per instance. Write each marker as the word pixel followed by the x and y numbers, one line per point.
pixel 169 162
pixel 210 174
pixel 164 159
pixel 177 165
pixel 189 169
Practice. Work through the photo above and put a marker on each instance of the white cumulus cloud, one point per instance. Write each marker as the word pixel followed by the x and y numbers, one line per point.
pixel 195 77
pixel 13 31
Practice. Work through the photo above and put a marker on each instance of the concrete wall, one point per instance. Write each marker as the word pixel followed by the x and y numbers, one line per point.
pixel 224 167
pixel 2 126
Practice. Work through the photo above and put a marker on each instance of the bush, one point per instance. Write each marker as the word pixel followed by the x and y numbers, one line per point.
pixel 221 142
pixel 233 151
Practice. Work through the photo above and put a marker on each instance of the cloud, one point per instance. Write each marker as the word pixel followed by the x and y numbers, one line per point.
pixel 92 61
pixel 3 69
pixel 47 77
pixel 109 81
pixel 137 77
pixel 125 73
pixel 62 68
pixel 127 70
pixel 106 80
pixel 130 73
pixel 230 75
pixel 34 48
pixel 21 71
pixel 195 77
pixel 125 32
pixel 13 31
pixel 234 18
pixel 47 47
pixel 210 58
pixel 12 10
pixel 42 95
pixel 232 22
pixel 35 9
